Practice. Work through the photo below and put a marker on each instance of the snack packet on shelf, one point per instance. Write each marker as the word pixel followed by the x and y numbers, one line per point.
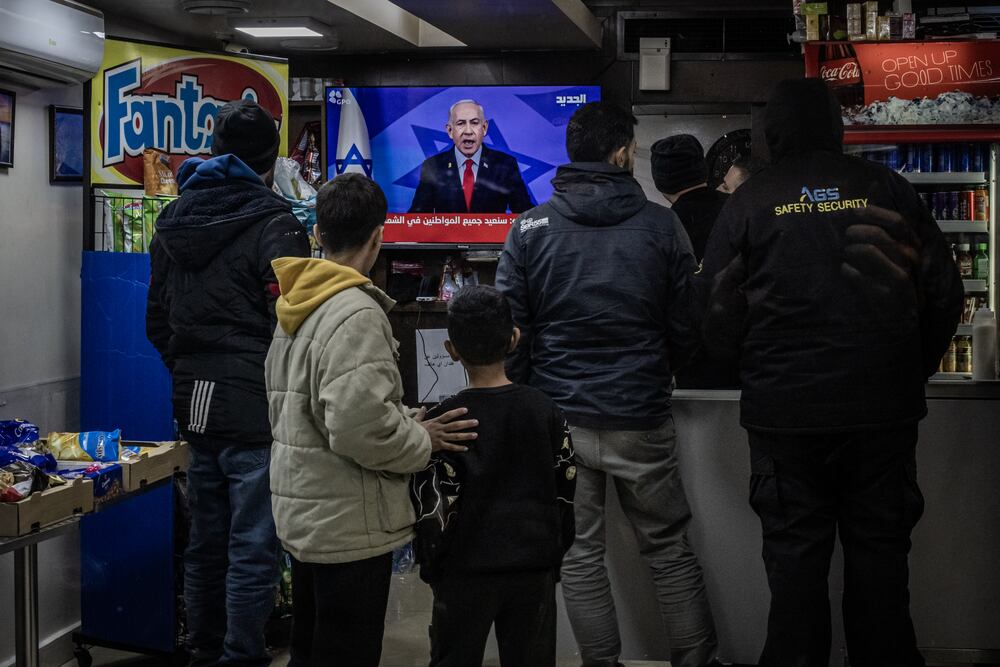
pixel 124 223
pixel 20 479
pixel 157 176
pixel 107 478
pixel 288 178
pixel 17 431
pixel 19 442
pixel 89 446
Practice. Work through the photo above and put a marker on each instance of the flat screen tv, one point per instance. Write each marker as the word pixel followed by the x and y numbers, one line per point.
pixel 457 164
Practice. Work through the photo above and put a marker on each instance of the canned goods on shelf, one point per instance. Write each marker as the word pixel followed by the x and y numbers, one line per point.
pixel 953 206
pixel 939 205
pixel 942 157
pixel 981 204
pixel 962 158
pixel 926 158
pixel 966 204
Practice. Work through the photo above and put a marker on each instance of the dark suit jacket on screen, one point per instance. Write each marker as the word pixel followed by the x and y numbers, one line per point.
pixel 499 185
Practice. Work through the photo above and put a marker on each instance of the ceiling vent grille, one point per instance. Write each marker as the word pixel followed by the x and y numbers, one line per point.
pixel 709 36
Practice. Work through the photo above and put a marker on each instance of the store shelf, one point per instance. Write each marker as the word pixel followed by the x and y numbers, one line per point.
pixel 945 177
pixel 964 226
pixel 974 285
pixel 951 377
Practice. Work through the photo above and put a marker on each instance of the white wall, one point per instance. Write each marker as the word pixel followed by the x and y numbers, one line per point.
pixel 40 248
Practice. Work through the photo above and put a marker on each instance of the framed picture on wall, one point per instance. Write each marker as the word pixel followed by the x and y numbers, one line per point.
pixel 65 144
pixel 6 128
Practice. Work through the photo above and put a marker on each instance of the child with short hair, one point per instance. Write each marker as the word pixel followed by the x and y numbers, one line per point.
pixel 494 522
pixel 344 443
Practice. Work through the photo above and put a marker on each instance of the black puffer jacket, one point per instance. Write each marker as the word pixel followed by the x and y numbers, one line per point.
pixel 599 282
pixel 821 353
pixel 210 311
pixel 698 210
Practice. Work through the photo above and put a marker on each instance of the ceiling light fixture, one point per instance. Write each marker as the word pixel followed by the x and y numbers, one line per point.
pixel 299 27
pixel 289 31
pixel 216 7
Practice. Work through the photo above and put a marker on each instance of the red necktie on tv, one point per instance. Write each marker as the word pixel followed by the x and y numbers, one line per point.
pixel 468 182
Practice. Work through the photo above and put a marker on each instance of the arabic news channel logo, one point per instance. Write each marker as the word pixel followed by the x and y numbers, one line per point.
pixel 578 100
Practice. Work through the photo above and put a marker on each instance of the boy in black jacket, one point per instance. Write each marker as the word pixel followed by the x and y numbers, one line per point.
pixel 493 523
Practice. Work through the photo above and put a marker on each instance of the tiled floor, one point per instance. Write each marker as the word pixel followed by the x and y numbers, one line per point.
pixel 107 658
pixel 406 643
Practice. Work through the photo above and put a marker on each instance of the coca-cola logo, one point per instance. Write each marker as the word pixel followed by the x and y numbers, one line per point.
pixel 844 73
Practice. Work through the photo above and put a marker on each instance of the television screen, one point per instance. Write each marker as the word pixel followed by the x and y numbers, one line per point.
pixel 457 164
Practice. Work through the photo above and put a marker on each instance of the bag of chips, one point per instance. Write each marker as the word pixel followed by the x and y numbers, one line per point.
pixel 19 479
pixel 90 446
pixel 157 176
pixel 17 431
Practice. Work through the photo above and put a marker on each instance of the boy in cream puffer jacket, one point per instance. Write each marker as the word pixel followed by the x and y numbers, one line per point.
pixel 344 444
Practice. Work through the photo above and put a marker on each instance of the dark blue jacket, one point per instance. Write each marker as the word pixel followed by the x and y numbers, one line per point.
pixel 210 312
pixel 599 282
pixel 499 185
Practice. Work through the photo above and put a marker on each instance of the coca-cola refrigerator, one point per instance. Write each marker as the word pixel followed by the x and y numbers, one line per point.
pixel 930 111
pixel 956 180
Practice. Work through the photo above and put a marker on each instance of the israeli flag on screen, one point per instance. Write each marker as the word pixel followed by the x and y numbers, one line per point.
pixel 354 153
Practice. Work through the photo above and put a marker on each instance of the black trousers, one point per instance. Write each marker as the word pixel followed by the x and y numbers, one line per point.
pixel 521 604
pixel 338 612
pixel 806 489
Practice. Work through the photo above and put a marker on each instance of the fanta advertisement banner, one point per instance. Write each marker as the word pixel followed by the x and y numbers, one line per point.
pixel 911 83
pixel 150 96
pixel 457 164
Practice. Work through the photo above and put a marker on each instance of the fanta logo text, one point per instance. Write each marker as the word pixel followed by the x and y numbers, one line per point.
pixel 181 123
pixel 820 194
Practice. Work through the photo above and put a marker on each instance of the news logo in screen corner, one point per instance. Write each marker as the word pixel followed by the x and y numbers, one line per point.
pixel 577 100
pixel 354 151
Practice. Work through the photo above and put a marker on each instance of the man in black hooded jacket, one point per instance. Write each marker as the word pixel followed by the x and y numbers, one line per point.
pixel 210 314
pixel 599 282
pixel 839 288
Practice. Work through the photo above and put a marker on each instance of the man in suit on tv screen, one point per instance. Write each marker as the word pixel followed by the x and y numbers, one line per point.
pixel 470 177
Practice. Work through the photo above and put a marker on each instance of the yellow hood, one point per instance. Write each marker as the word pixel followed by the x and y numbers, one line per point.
pixel 306 284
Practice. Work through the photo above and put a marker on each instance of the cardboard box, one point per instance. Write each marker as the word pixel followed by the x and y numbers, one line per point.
pixel 43 509
pixel 159 461
pixel 108 479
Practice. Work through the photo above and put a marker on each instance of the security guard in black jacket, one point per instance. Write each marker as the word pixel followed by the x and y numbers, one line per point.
pixel 841 294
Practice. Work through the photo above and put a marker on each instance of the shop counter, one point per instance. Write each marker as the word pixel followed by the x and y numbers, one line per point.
pixel 954 581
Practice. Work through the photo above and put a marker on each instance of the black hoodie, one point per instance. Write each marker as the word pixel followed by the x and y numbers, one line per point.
pixel 210 311
pixel 820 353
pixel 599 282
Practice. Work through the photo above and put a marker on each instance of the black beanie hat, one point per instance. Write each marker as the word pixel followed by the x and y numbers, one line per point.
pixel 246 130
pixel 678 163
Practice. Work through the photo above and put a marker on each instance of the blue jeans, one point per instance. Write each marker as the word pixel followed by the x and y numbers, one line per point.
pixel 231 563
pixel 642 469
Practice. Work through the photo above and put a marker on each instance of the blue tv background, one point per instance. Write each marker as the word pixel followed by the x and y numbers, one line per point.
pixel 407 125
